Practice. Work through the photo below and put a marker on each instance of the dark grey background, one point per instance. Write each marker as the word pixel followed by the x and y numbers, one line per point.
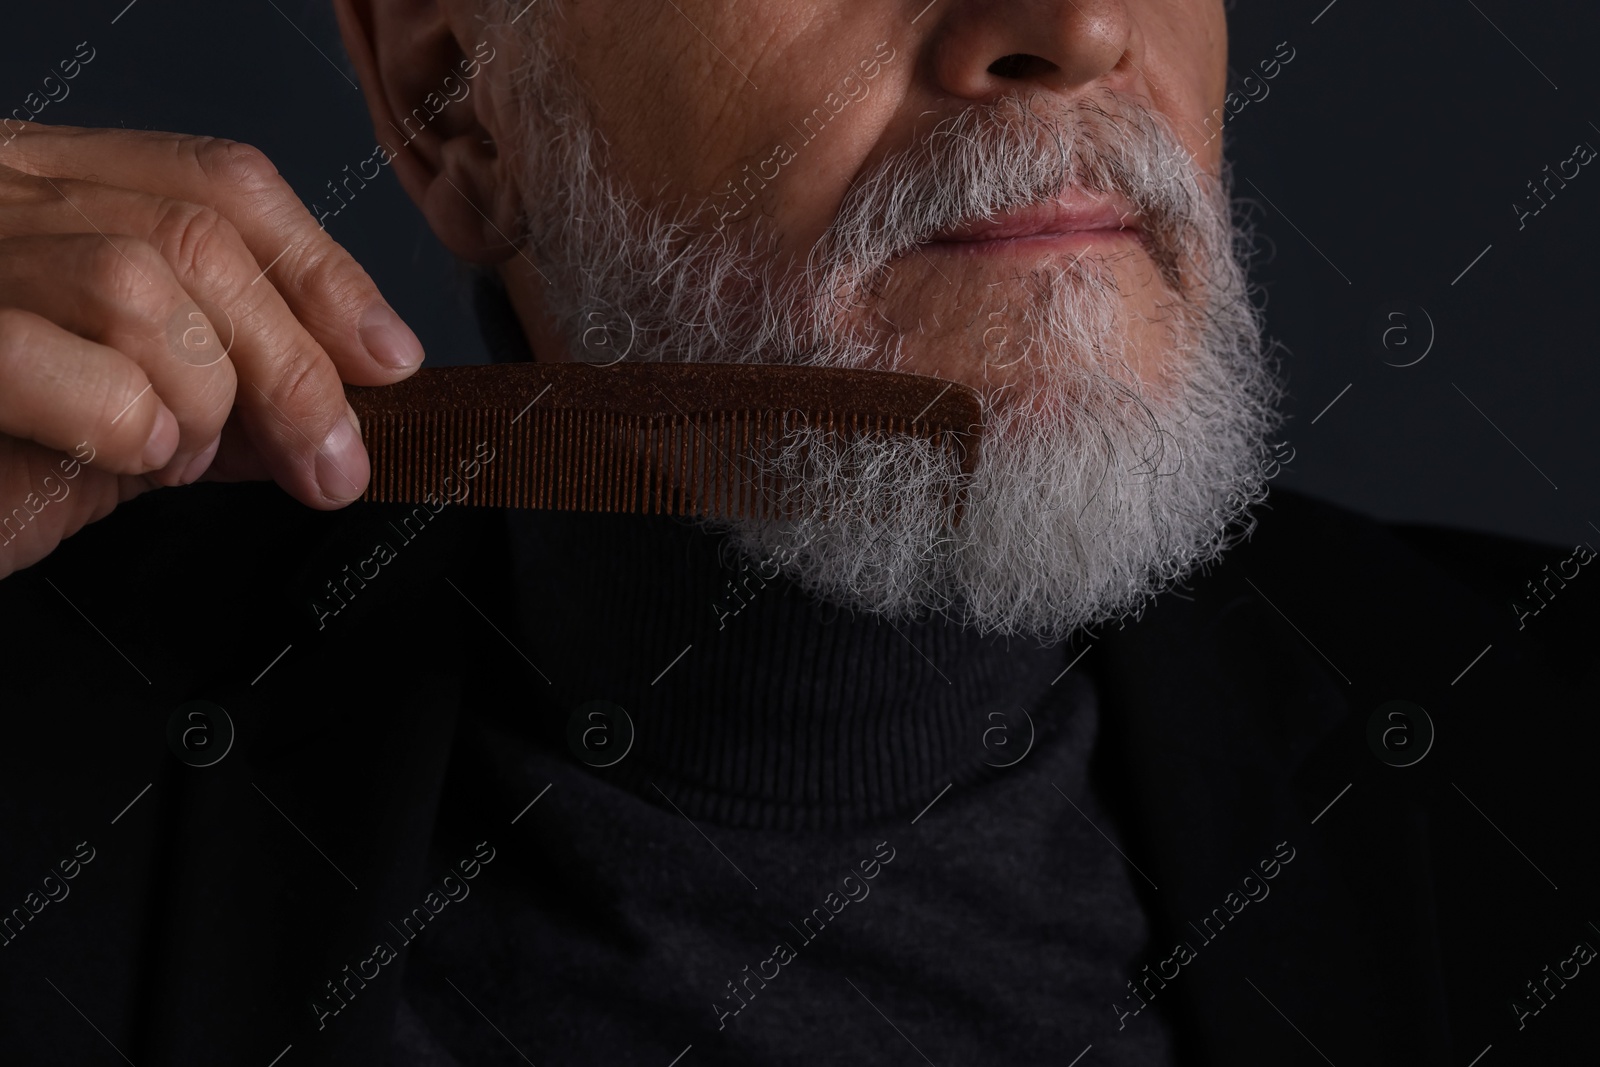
pixel 1385 158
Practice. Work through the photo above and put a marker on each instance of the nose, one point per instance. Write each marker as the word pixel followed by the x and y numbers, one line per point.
pixel 984 49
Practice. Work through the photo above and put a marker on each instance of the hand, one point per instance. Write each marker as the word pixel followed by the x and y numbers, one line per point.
pixel 169 310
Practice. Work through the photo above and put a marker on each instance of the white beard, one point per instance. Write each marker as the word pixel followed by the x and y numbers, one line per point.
pixel 1094 491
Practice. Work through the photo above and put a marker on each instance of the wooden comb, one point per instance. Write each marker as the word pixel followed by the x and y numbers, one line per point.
pixel 648 438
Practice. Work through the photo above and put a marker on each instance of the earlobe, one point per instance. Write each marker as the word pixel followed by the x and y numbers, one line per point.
pixel 468 203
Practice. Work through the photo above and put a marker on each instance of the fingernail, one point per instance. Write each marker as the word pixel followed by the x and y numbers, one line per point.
pixel 388 339
pixel 163 440
pixel 201 462
pixel 342 467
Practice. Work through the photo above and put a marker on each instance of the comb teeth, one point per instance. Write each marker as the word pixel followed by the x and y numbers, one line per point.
pixel 675 439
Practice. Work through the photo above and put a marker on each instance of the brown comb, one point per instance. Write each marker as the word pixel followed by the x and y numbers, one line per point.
pixel 650 438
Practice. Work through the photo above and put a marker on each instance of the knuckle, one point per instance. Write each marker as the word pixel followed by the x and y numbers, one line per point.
pixel 108 389
pixel 339 280
pixel 237 166
pixel 126 269
pixel 18 333
pixel 303 389
pixel 127 409
pixel 19 187
pixel 199 240
pixel 209 409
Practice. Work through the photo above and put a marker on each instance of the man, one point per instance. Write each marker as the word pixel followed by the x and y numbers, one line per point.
pixel 1129 765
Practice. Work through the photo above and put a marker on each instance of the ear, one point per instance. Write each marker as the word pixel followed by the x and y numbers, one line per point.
pixel 427 68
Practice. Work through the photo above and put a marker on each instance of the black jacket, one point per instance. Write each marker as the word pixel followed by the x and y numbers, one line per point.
pixel 1247 716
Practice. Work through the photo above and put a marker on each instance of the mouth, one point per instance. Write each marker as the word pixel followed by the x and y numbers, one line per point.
pixel 1075 221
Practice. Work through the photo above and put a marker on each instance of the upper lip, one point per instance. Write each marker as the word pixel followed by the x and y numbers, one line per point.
pixel 1072 212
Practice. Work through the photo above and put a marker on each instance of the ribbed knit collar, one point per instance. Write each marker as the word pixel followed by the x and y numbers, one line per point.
pixel 750 702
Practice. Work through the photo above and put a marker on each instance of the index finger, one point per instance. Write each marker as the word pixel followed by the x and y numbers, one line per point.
pixel 324 286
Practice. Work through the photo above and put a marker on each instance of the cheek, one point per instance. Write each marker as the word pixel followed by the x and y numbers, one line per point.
pixel 680 106
pixel 807 196
pixel 662 105
pixel 1186 56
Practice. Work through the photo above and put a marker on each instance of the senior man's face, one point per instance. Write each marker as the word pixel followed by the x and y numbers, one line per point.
pixel 1021 196
pixel 760 122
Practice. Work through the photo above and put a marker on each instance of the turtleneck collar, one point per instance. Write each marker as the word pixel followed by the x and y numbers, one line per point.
pixel 749 701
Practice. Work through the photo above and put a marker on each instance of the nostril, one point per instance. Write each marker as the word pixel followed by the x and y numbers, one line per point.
pixel 1019 65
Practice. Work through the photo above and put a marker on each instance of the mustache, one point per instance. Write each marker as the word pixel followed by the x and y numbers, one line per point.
pixel 1014 153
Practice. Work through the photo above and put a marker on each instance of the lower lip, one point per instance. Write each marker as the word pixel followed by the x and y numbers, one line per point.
pixel 1037 243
